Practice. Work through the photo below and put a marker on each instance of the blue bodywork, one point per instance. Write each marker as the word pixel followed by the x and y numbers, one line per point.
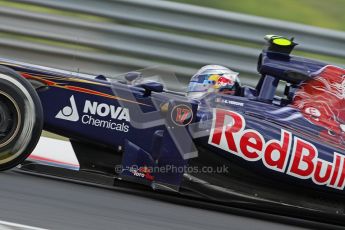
pixel 154 145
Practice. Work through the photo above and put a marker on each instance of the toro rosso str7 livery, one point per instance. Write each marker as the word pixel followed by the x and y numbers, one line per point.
pixel 262 149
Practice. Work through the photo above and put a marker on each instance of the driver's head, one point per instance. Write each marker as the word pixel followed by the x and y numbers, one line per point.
pixel 213 79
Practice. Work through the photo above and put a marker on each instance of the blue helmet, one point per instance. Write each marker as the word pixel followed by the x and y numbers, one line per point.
pixel 213 79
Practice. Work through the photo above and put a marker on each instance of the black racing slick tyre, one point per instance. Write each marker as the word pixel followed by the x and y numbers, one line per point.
pixel 21 118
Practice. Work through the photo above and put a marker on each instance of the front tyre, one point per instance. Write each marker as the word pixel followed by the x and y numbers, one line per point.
pixel 21 118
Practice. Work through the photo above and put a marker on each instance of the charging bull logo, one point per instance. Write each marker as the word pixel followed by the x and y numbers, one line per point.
pixel 221 81
pixel 290 155
pixel 322 101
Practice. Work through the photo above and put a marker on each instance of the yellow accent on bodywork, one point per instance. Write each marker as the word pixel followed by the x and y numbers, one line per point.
pixel 282 41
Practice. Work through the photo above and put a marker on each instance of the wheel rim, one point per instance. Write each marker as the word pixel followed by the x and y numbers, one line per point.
pixel 29 127
pixel 10 122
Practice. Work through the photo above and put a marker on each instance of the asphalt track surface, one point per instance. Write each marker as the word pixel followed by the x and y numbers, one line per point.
pixel 54 204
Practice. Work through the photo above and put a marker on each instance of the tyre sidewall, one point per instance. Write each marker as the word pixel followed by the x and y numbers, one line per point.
pixel 31 113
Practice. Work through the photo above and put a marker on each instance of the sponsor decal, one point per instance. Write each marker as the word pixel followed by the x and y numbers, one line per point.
pixel 143 172
pixel 182 115
pixel 290 155
pixel 97 114
pixel 229 102
pixel 69 113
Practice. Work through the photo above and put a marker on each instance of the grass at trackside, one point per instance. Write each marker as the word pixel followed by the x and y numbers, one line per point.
pixel 41 9
pixel 327 14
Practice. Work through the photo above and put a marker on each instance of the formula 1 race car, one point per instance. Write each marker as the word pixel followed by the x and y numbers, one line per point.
pixel 258 149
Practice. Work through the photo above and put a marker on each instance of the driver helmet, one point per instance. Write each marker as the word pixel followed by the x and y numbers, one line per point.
pixel 213 79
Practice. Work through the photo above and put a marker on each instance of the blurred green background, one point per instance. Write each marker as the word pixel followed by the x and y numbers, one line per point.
pixel 327 14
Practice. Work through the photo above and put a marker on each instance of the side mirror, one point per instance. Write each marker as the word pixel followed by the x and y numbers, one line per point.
pixel 131 76
pixel 151 86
